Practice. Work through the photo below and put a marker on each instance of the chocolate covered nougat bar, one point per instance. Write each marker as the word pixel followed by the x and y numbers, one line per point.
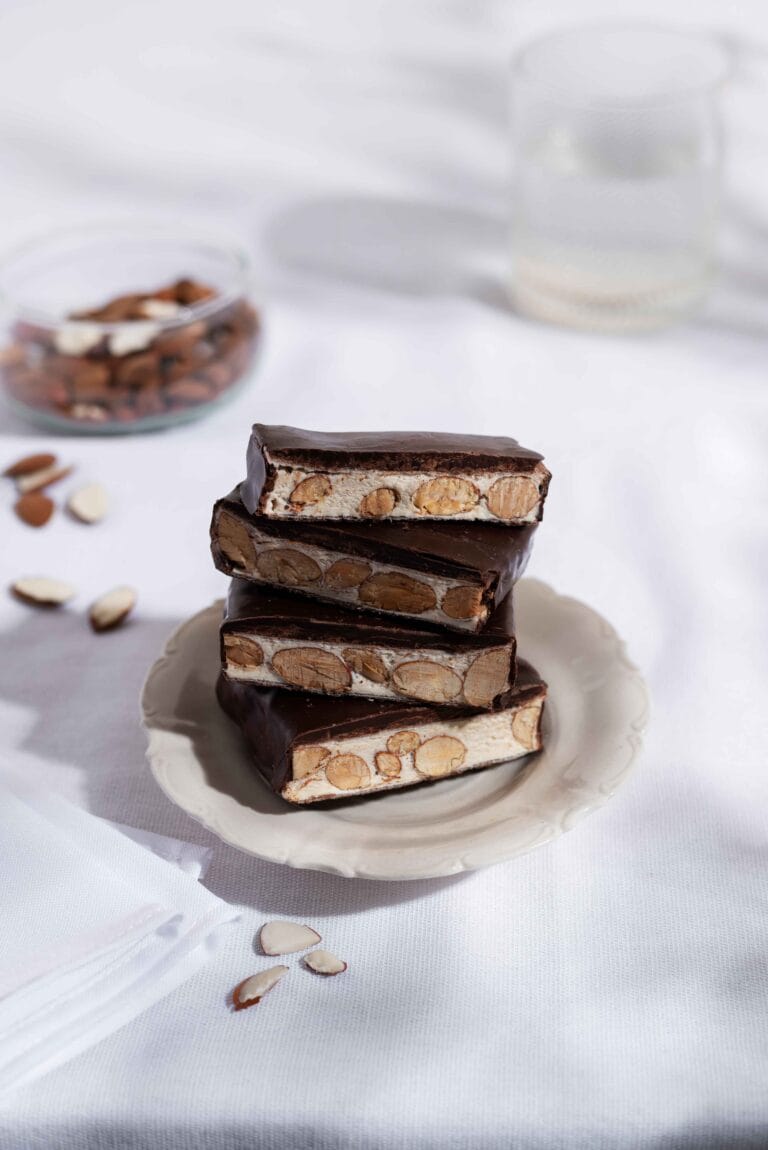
pixel 449 574
pixel 281 640
pixel 314 747
pixel 392 475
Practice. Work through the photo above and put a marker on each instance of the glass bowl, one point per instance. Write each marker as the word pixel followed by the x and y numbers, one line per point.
pixel 124 328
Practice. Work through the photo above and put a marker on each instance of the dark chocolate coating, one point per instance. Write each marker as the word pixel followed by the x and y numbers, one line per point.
pixel 381 450
pixel 493 555
pixel 252 609
pixel 275 721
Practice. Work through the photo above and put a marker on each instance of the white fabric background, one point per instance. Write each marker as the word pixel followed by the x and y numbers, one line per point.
pixel 608 991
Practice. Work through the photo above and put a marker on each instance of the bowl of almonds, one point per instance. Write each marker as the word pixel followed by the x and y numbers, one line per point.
pixel 124 328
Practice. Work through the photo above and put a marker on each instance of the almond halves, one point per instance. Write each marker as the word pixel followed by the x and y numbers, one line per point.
pixel 281 937
pixel 89 504
pixel 34 508
pixel 112 609
pixel 323 962
pixel 42 591
pixel 253 989
pixel 29 464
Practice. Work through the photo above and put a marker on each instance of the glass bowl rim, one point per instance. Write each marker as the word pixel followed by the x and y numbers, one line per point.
pixel 521 73
pixel 226 246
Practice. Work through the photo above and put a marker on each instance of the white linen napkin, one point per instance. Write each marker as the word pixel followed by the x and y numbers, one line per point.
pixel 96 927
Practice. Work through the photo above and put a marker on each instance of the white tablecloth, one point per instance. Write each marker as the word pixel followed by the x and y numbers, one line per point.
pixel 607 991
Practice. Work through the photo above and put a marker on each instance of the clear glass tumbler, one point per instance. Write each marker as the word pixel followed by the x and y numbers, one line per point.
pixel 617 172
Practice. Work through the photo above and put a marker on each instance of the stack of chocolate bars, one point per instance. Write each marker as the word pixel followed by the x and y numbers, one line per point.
pixel 368 640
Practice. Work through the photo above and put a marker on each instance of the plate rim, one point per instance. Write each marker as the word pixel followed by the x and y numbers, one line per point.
pixel 481 855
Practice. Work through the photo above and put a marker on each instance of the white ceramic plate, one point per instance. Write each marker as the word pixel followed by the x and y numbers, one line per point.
pixel 595 712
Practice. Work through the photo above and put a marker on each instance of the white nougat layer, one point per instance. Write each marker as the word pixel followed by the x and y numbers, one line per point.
pixel 349 488
pixel 265 676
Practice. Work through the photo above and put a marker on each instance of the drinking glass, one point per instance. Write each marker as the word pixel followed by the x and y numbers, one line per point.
pixel 617 173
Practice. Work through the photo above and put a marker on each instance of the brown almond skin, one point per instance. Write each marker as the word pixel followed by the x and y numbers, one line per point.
pixel 346 573
pixel 403 742
pixel 288 566
pixel 525 727
pixel 235 541
pixel 367 663
pixel 309 491
pixel 348 772
pixel 512 497
pixel 243 651
pixel 29 464
pixel 391 591
pixel 423 679
pixel 388 765
pixel 307 760
pixel 439 756
pixel 312 669
pixel 446 495
pixel 379 503
pixel 462 602
pixel 34 508
pixel 487 677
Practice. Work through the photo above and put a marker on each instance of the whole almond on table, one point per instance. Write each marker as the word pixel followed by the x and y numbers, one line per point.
pixel 34 509
pixel 29 464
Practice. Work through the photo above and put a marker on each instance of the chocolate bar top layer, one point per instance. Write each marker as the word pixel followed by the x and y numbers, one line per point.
pixel 486 553
pixel 389 450
pixel 293 617
pixel 275 721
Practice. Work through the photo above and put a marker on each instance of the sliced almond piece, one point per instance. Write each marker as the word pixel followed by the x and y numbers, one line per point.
pixel 288 566
pixel 29 464
pixel 312 669
pixel 110 610
pixel 367 663
pixel 403 742
pixel 281 937
pixel 34 508
pixel 439 756
pixel 446 495
pixel 348 772
pixel 89 504
pixel 463 602
pixel 423 679
pixel 235 541
pixel 42 591
pixel 487 677
pixel 243 651
pixel 380 502
pixel 36 480
pixel 252 990
pixel 525 727
pixel 307 760
pixel 323 962
pixel 391 591
pixel 346 573
pixel 310 491
pixel 388 765
pixel 512 497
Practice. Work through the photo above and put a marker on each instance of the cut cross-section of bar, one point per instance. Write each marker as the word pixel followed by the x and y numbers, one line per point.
pixel 309 748
pixel 283 641
pixel 453 575
pixel 392 475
